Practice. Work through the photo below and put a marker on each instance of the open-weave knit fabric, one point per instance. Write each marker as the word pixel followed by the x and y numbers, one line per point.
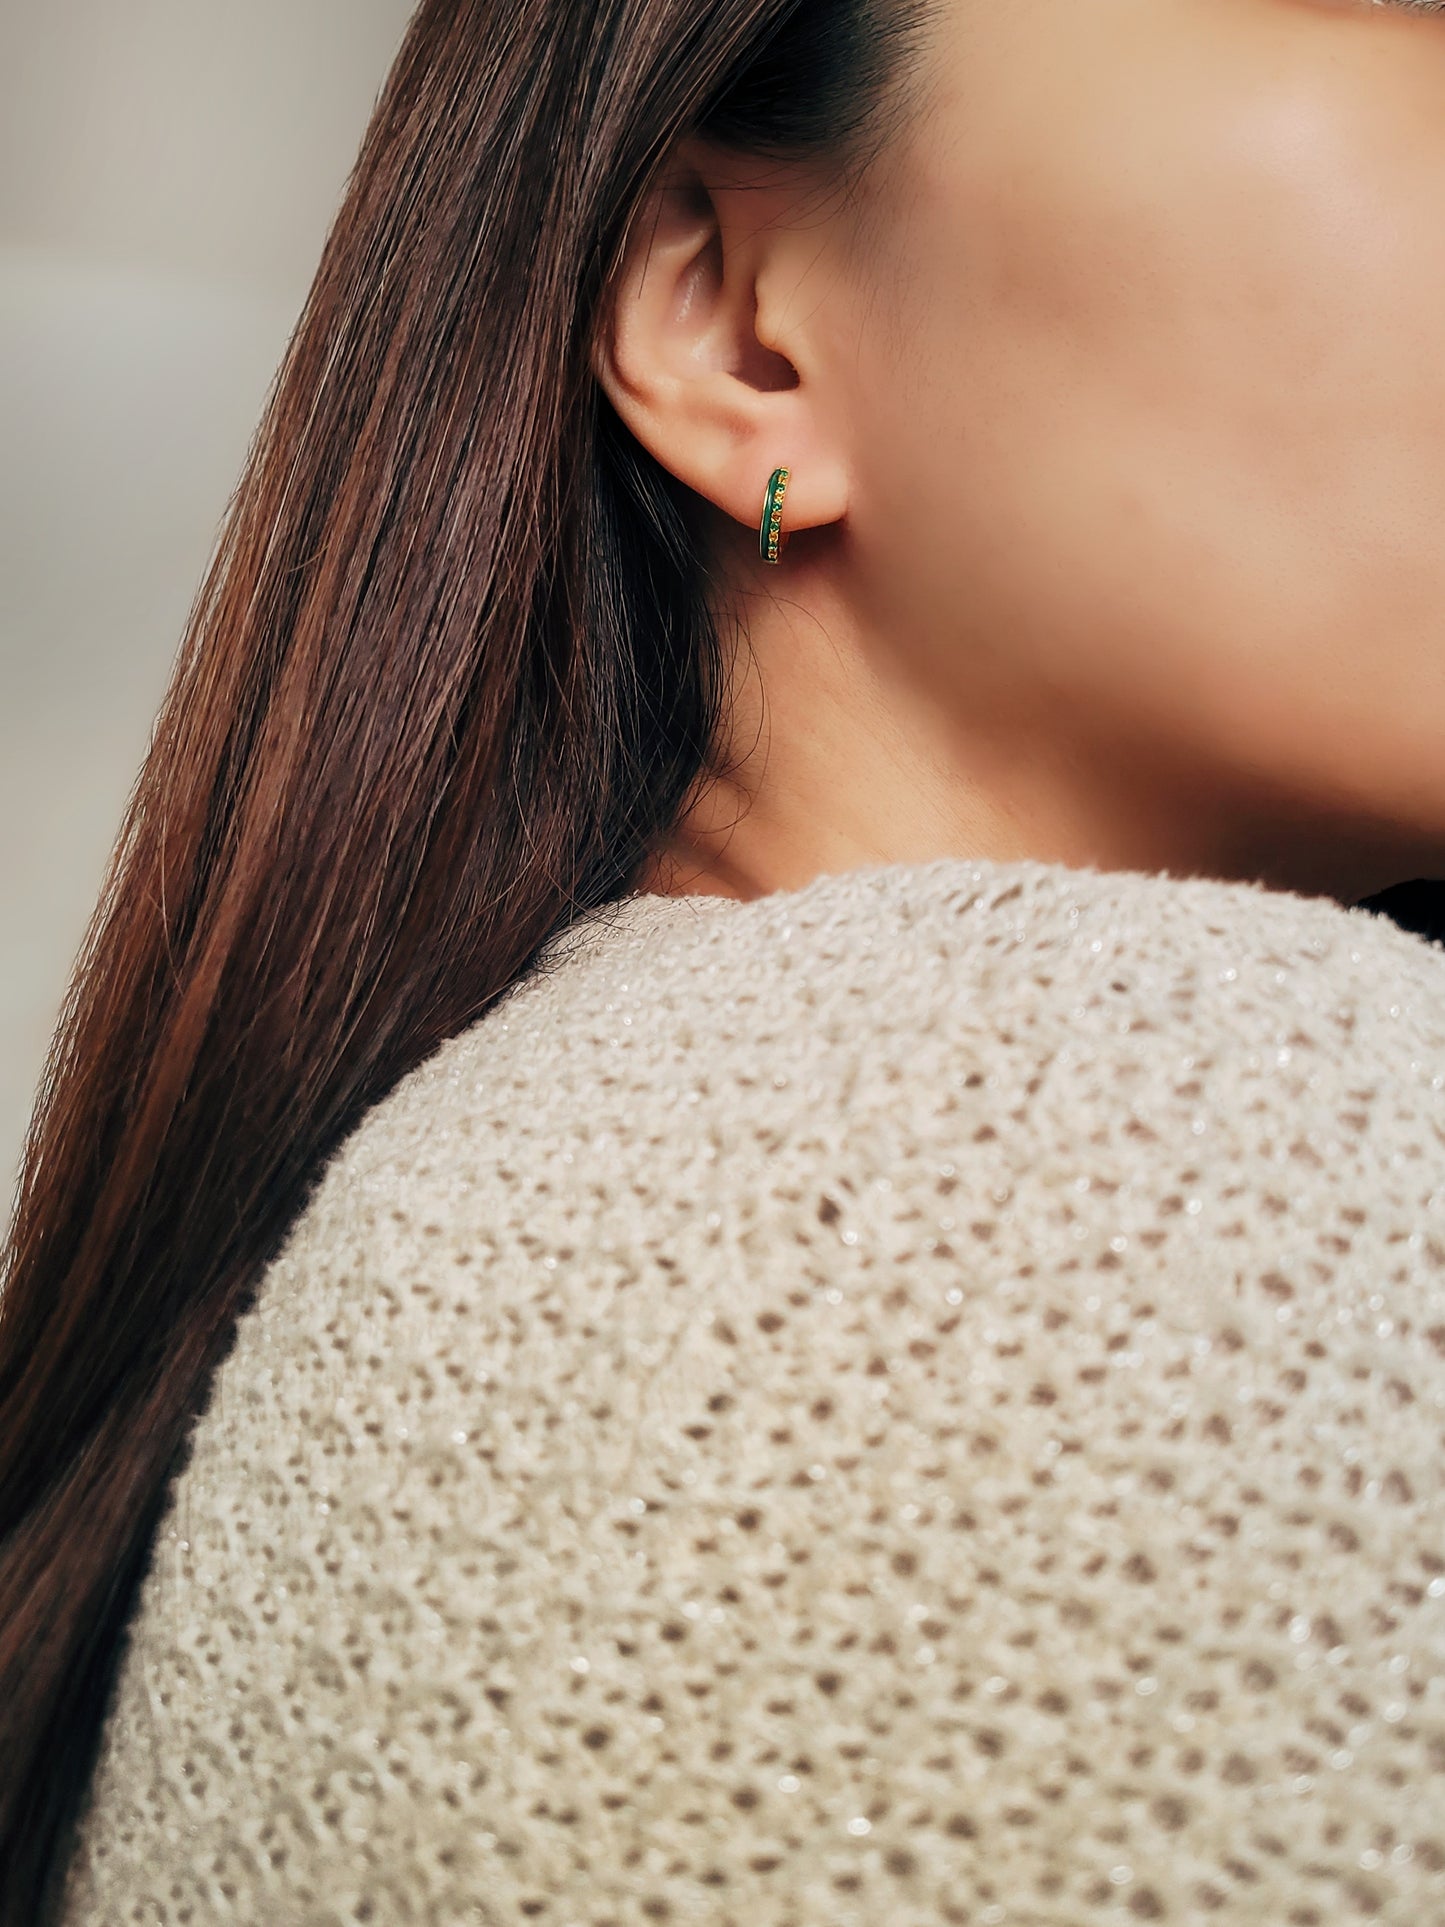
pixel 913 1400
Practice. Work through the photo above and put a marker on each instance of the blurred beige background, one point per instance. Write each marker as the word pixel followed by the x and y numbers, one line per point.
pixel 168 171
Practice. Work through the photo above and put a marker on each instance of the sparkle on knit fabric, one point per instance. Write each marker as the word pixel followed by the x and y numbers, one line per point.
pixel 913 1400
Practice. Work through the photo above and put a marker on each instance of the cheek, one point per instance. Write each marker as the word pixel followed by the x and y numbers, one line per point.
pixel 1170 422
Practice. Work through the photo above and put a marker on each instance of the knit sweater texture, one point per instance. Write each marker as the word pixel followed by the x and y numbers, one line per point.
pixel 913 1400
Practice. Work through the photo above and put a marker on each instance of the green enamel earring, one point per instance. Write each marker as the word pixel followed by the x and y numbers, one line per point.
pixel 771 540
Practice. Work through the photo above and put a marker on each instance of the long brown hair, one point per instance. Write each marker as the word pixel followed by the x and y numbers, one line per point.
pixel 450 678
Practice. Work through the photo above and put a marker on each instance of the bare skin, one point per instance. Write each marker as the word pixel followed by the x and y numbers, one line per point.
pixel 1115 410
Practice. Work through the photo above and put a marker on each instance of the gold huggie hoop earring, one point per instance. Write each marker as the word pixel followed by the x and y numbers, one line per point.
pixel 771 539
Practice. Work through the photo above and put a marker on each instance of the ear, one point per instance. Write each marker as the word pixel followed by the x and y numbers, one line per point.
pixel 705 350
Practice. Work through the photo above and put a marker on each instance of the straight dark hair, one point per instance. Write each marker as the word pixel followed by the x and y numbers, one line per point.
pixel 449 680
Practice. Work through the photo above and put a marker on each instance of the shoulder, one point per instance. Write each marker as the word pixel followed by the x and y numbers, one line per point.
pixel 711 1128
pixel 911 1400
pixel 912 1005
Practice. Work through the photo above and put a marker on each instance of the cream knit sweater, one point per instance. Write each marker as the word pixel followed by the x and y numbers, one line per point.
pixel 914 1400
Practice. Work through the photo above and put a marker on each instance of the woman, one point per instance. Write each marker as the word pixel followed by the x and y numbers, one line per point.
pixel 740 1214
